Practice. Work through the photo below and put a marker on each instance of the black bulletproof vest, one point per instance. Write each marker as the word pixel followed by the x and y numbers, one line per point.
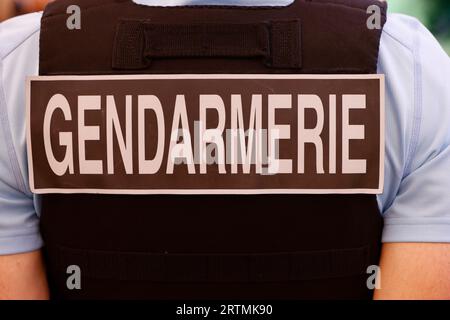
pixel 211 246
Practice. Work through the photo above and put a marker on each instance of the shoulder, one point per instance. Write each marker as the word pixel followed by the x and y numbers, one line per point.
pixel 417 77
pixel 415 202
pixel 417 101
pixel 19 55
pixel 14 32
pixel 19 50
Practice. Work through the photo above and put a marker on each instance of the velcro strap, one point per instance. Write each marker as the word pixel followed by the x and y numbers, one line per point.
pixel 295 266
pixel 137 43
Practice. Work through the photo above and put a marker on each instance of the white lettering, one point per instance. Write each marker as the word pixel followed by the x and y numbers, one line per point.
pixel 58 101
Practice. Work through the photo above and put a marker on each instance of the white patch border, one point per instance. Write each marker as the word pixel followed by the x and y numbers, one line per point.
pixel 379 190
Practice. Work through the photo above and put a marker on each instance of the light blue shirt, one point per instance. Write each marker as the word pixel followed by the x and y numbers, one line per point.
pixel 416 198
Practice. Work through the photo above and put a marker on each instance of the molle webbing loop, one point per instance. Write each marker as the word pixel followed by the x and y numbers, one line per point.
pixel 289 266
pixel 137 43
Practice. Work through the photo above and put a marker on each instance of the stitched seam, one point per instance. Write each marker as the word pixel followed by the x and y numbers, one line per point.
pixel 71 248
pixel 21 43
pixel 30 232
pixel 417 112
pixel 190 6
pixel 176 7
pixel 212 7
pixel 4 119
pixel 417 115
pixel 437 223
pixel 417 221
pixel 393 37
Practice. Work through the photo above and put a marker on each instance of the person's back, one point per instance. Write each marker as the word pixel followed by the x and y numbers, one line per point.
pixel 417 152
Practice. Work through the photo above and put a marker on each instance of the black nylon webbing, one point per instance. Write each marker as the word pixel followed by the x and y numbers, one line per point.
pixel 278 43
pixel 277 267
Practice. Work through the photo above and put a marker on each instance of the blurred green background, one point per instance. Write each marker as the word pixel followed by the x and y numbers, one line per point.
pixel 435 14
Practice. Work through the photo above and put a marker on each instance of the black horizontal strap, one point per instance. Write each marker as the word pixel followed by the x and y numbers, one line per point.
pixel 293 266
pixel 137 43
pixel 206 40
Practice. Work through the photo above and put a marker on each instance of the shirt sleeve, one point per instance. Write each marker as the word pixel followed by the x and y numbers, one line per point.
pixel 420 209
pixel 19 223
